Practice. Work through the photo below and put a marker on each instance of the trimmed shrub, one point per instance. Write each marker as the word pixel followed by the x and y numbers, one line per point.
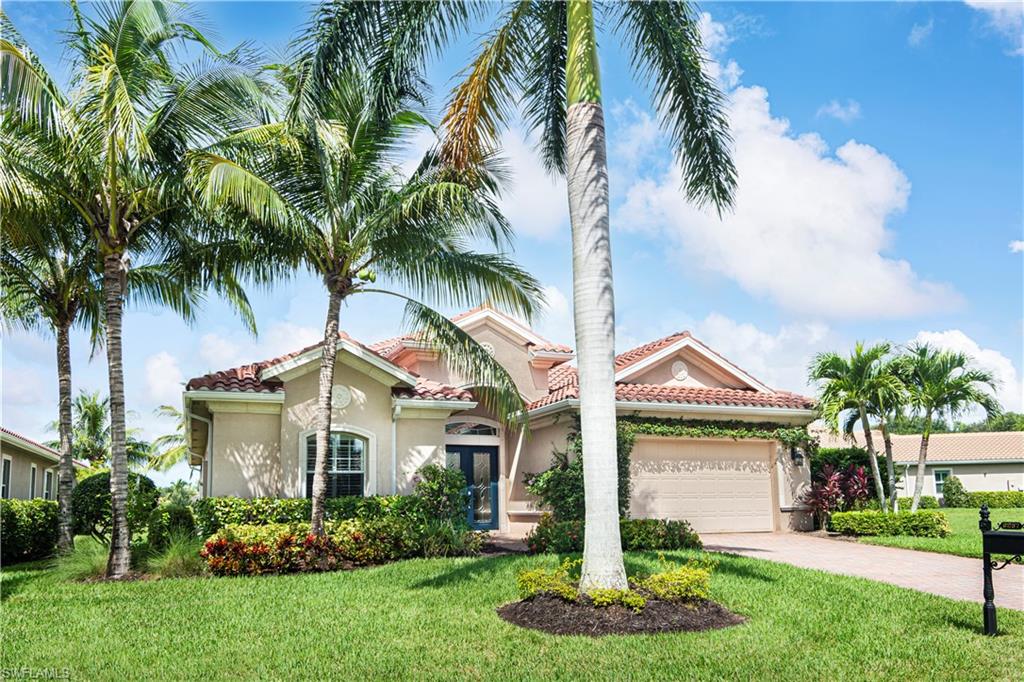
pixel 638 535
pixel 375 541
pixel 929 524
pixel 442 493
pixel 997 499
pixel 90 504
pixel 167 521
pixel 954 494
pixel 680 582
pixel 609 596
pixel 557 582
pixel 29 529
pixel 927 502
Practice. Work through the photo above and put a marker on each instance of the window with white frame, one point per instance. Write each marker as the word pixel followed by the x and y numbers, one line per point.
pixel 346 464
pixel 5 488
pixel 48 484
pixel 32 482
pixel 469 428
pixel 940 479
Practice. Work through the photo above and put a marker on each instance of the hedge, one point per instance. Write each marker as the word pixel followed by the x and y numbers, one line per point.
pixel 214 513
pixel 929 524
pixel 168 521
pixel 927 502
pixel 638 535
pixel 997 499
pixel 28 528
pixel 90 504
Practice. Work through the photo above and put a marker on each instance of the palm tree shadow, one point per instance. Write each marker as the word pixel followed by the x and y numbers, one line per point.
pixel 23 576
pixel 467 571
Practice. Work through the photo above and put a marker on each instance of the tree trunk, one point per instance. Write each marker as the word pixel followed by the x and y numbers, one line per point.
pixel 873 458
pixel 593 301
pixel 66 470
pixel 890 466
pixel 922 456
pixel 323 408
pixel 119 562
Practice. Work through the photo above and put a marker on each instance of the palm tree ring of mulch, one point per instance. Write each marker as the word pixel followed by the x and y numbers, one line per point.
pixel 557 616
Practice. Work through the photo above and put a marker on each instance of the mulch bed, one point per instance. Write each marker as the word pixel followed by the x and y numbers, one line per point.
pixel 559 617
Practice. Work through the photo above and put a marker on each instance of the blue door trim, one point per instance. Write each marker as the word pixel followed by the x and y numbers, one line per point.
pixel 466 464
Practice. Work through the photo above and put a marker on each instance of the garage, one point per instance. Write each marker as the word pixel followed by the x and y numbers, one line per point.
pixel 718 486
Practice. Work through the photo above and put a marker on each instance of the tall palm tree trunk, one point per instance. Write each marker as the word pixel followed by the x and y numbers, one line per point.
pixel 66 470
pixel 593 301
pixel 323 409
pixel 873 458
pixel 119 562
pixel 890 466
pixel 922 456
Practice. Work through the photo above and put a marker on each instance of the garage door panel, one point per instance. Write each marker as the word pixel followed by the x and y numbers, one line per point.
pixel 715 486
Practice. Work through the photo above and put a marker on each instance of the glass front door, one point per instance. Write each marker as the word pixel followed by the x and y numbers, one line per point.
pixel 479 463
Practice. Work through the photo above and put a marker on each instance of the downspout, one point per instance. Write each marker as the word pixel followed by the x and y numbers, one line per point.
pixel 395 411
pixel 208 456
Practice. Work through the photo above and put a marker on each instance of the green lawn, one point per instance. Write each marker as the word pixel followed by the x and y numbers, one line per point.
pixel 435 619
pixel 965 539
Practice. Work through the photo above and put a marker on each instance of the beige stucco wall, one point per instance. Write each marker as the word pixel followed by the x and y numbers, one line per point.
pixel 246 454
pixel 21 472
pixel 420 441
pixel 975 477
pixel 539 446
pixel 700 373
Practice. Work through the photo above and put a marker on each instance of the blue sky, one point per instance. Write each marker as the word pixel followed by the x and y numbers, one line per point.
pixel 880 197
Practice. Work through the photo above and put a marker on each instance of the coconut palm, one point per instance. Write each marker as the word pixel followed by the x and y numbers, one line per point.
pixel 324 186
pixel 49 281
pixel 170 448
pixel 855 383
pixel 113 151
pixel 944 383
pixel 90 433
pixel 543 56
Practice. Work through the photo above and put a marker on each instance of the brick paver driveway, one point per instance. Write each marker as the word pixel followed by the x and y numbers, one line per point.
pixel 948 576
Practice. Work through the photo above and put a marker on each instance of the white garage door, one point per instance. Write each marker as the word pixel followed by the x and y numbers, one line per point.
pixel 717 486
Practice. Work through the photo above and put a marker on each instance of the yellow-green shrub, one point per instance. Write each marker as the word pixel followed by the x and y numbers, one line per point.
pixel 556 582
pixel 609 596
pixel 680 582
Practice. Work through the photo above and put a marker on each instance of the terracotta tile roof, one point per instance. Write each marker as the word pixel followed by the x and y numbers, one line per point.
pixel 989 446
pixel 427 389
pixel 550 347
pixel 563 384
pixel 29 441
pixel 388 348
pixel 635 355
pixel 246 378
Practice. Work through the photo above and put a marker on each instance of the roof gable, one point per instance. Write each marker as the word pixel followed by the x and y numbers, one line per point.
pixel 641 359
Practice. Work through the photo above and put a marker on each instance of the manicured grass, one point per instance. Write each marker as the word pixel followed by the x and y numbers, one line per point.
pixel 965 539
pixel 436 619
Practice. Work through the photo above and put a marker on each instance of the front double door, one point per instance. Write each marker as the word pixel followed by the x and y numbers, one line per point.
pixel 479 463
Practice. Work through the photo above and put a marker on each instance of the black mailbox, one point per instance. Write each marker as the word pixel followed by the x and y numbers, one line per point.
pixel 1008 538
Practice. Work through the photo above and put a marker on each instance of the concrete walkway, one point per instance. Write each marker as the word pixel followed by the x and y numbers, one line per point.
pixel 947 576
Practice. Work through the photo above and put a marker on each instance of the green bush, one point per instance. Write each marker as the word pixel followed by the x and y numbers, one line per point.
pixel 179 558
pixel 609 596
pixel 214 513
pixel 638 535
pixel 560 488
pixel 927 502
pixel 90 504
pixel 558 582
pixel 954 494
pixel 28 528
pixel 996 499
pixel 680 582
pixel 929 524
pixel 169 520
pixel 375 541
pixel 442 493
pixel 444 538
pixel 842 458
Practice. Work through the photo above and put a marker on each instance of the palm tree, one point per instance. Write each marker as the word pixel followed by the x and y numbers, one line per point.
pixel 855 383
pixel 113 151
pixel 90 433
pixel 171 448
pixel 943 382
pixel 324 185
pixel 49 281
pixel 546 54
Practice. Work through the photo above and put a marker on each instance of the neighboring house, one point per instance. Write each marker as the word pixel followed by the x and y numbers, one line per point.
pixel 29 468
pixel 982 461
pixel 397 407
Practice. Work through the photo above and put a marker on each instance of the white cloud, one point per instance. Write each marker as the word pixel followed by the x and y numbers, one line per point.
pixel 716 38
pixel 1010 390
pixel 919 33
pixel 220 352
pixel 808 227
pixel 23 385
pixel 847 113
pixel 1017 246
pixel 536 204
pixel 164 379
pixel 555 322
pixel 1006 18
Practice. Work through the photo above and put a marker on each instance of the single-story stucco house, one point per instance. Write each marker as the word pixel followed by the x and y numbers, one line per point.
pixel 397 407
pixel 982 461
pixel 29 468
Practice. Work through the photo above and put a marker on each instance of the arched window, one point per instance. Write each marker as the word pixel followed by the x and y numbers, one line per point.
pixel 470 428
pixel 346 464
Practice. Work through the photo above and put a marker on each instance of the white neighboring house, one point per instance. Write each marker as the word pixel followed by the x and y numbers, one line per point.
pixel 982 461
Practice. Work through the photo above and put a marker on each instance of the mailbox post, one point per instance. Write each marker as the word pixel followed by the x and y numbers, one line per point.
pixel 1008 538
